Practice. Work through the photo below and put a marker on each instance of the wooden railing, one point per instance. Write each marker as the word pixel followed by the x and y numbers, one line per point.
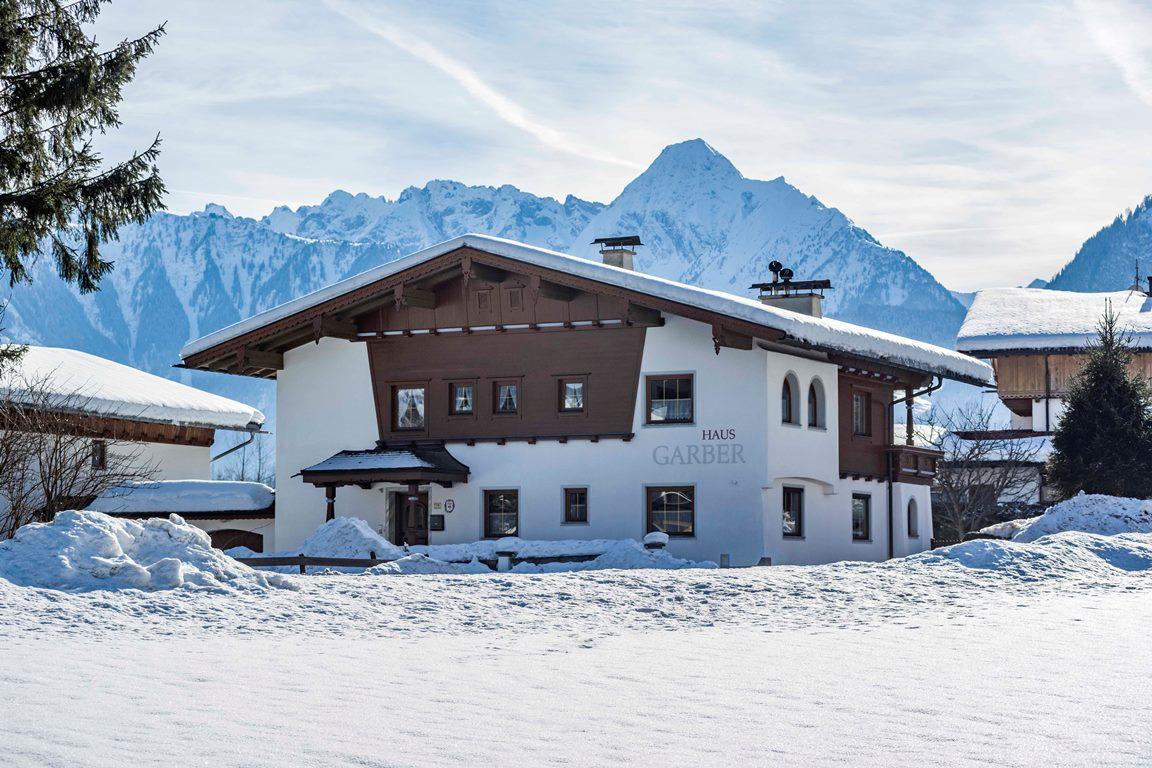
pixel 303 562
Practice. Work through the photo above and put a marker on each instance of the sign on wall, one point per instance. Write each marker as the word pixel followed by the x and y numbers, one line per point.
pixel 716 446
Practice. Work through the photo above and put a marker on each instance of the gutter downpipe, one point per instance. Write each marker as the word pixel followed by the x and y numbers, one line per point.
pixel 251 436
pixel 907 399
pixel 1047 396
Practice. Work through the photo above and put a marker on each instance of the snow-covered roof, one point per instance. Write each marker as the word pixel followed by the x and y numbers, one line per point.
pixel 185 496
pixel 358 461
pixel 1036 318
pixel 823 333
pixel 95 385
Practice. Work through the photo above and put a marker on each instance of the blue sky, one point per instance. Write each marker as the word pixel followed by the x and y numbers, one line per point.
pixel 986 139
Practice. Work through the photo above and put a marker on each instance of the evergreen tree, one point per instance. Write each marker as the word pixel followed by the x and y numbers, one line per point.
pixel 58 90
pixel 1104 441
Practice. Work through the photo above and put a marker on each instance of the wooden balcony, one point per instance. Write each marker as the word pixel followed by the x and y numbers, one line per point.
pixel 912 464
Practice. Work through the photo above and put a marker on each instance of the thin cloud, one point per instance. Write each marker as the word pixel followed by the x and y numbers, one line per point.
pixel 1120 29
pixel 505 108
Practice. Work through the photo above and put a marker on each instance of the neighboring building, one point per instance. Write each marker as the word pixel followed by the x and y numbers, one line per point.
pixel 484 388
pixel 1036 340
pixel 166 425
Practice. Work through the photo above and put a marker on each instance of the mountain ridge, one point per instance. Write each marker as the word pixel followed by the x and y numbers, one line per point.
pixel 178 277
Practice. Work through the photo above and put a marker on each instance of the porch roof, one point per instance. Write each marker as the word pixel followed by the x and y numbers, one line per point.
pixel 416 464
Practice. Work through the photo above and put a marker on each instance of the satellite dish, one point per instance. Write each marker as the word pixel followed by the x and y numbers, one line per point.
pixel 786 274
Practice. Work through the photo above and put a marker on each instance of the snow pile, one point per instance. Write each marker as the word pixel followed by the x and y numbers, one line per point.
pixel 83 550
pixel 185 496
pixel 349 537
pixel 1067 554
pixel 1090 513
pixel 418 563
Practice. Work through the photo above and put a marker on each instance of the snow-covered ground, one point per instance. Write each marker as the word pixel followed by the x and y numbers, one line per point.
pixel 1004 653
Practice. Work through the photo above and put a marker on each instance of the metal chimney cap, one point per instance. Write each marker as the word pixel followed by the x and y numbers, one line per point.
pixel 619 241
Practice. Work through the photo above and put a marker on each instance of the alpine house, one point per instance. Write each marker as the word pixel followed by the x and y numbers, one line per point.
pixel 486 388
pixel 117 414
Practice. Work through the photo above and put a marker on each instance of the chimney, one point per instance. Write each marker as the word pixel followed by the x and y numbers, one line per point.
pixel 803 296
pixel 618 251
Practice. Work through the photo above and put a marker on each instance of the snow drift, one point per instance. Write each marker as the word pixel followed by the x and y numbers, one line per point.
pixel 1088 513
pixel 1069 554
pixel 85 550
pixel 1086 535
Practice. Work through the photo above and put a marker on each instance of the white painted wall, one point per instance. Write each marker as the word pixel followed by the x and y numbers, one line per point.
pixel 1054 413
pixel 175 462
pixel 325 404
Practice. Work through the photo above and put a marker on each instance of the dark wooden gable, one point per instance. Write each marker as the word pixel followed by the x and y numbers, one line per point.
pixel 463 289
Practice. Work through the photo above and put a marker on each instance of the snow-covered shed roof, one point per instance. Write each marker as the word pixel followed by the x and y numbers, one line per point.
pixel 192 498
pixel 822 333
pixel 1005 319
pixel 98 386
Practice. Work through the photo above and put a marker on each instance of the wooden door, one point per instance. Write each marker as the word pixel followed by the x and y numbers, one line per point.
pixel 412 518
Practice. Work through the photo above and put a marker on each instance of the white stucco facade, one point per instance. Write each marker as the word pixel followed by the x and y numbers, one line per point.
pixel 173 462
pixel 737 455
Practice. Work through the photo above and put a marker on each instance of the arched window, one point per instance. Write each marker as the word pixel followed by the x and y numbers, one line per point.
pixel 816 404
pixel 913 519
pixel 787 412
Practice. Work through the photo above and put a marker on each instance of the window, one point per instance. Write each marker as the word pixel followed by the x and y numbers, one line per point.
pixel 407 408
pixel 501 513
pixel 572 394
pixel 575 505
pixel 913 519
pixel 506 397
pixel 861 413
pixel 484 300
pixel 793 513
pixel 861 517
pixel 99 454
pixel 815 405
pixel 672 510
pixel 787 415
pixel 462 399
pixel 669 399
pixel 515 298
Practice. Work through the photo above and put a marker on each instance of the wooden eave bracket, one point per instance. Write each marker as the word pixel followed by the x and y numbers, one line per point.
pixel 260 360
pixel 722 337
pixel 327 325
pixel 407 296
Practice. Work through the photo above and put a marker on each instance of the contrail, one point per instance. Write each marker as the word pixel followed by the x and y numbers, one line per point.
pixel 504 108
pixel 1120 29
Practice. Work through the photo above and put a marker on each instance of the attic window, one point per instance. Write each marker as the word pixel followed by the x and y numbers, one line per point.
pixel 484 300
pixel 516 298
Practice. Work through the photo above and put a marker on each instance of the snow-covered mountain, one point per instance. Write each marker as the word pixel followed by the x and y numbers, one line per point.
pixel 179 277
pixel 1107 260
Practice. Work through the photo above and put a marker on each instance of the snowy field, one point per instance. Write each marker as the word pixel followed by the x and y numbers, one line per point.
pixel 990 653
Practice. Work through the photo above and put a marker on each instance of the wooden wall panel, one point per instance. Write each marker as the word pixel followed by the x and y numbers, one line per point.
pixel 1022 376
pixel 609 357
pixel 865 455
